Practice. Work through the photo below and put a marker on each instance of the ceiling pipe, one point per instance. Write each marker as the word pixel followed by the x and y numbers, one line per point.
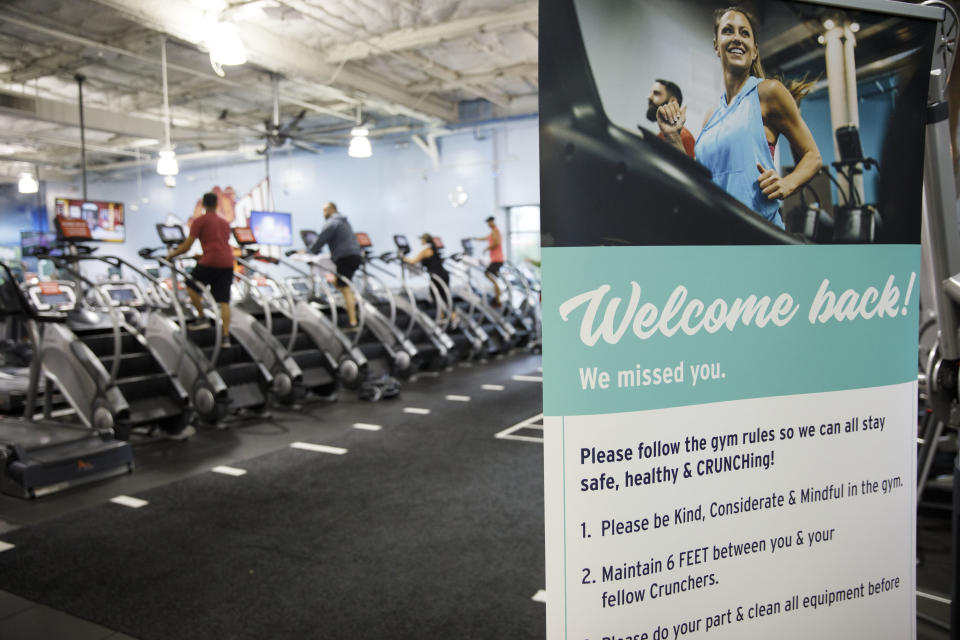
pixel 83 136
pixel 93 44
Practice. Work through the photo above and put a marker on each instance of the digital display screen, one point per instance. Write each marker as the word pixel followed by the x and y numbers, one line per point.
pixel 123 295
pixel 364 240
pixel 467 246
pixel 106 219
pixel 300 286
pixel 267 290
pixel 34 242
pixel 170 234
pixel 309 238
pixel 244 235
pixel 271 228
pixel 54 298
pixel 402 243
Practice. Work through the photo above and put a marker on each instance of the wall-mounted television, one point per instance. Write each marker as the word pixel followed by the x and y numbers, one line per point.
pixel 270 227
pixel 106 219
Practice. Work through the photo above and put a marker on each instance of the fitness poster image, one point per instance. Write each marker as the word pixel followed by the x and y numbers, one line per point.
pixel 731 210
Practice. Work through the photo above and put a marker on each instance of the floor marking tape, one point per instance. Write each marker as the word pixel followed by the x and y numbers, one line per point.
pixel 492 387
pixel 318 448
pixel 229 471
pixel 128 501
pixel 540 596
pixel 528 378
pixel 529 423
pixel 5 546
pixel 416 410
pixel 366 427
pixel 459 398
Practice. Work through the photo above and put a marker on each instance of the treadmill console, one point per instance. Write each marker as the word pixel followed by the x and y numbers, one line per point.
pixel 403 245
pixel 309 238
pixel 244 236
pixel 125 294
pixel 171 234
pixel 301 288
pixel 52 296
pixel 437 242
pixel 265 286
pixel 364 240
pixel 467 246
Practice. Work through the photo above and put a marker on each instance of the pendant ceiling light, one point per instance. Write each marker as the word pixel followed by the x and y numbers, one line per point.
pixel 226 47
pixel 167 164
pixel 28 183
pixel 359 143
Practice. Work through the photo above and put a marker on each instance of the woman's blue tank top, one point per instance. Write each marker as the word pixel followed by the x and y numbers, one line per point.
pixel 732 143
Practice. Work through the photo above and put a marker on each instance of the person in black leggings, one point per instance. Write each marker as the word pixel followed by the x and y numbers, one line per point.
pixel 431 259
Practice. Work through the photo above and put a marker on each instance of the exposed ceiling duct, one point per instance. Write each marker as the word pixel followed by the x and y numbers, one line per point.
pixel 409 65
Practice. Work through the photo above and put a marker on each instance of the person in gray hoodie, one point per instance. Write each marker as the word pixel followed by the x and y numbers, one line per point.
pixel 344 251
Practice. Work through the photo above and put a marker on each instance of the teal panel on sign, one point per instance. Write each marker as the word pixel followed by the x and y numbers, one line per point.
pixel 669 342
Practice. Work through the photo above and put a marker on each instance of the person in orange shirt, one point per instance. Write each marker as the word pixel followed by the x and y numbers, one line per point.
pixel 495 247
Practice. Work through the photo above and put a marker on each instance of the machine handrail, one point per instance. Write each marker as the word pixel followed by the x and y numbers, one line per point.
pixel 268 314
pixel 205 294
pixel 106 302
pixel 287 294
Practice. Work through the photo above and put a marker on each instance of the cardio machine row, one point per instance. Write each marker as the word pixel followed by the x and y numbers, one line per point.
pixel 119 355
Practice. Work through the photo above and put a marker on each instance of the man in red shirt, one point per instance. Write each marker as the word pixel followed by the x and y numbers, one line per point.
pixel 215 266
pixel 662 92
pixel 495 247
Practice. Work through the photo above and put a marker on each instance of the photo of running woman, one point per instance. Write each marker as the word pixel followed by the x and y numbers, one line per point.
pixel 739 136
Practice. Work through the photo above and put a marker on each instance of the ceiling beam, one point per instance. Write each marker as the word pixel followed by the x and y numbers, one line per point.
pixel 433 35
pixel 518 71
pixel 183 20
pixel 154 60
pixel 66 113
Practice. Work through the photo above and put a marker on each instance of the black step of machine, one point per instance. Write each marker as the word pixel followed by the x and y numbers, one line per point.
pixel 245 382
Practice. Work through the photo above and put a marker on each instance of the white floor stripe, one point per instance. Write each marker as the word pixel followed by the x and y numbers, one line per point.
pixel 528 378
pixel 492 387
pixel 127 501
pixel 229 471
pixel 540 596
pixel 366 427
pixel 459 398
pixel 5 546
pixel 416 410
pixel 529 423
pixel 318 448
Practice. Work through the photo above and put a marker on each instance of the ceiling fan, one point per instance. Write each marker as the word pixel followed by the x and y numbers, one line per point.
pixel 274 134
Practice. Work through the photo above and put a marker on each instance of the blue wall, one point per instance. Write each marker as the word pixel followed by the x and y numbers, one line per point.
pixel 876 108
pixel 395 191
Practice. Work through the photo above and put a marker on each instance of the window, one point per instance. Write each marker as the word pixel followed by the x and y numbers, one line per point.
pixel 523 233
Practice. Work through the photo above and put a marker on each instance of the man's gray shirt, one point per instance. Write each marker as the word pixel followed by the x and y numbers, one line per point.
pixel 337 233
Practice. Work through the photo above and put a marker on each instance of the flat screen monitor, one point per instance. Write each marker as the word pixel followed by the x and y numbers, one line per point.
pixel 438 242
pixel 364 240
pixel 403 245
pixel 34 243
pixel 106 219
pixel 270 227
pixel 467 246
pixel 170 233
